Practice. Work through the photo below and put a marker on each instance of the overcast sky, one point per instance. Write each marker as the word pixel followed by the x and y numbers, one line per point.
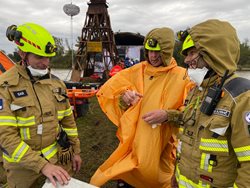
pixel 125 15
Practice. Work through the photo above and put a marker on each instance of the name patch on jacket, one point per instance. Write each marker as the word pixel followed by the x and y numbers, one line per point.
pixel 21 93
pixel 222 112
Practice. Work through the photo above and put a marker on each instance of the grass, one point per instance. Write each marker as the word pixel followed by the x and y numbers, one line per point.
pixel 98 140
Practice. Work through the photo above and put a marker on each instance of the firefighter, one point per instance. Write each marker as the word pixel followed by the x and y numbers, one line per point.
pixel 143 101
pixel 215 143
pixel 38 134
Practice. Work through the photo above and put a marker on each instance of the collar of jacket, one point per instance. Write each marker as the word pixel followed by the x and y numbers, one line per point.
pixel 208 82
pixel 22 71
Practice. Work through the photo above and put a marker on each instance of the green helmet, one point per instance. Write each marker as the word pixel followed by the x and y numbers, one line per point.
pixel 188 43
pixel 152 44
pixel 32 38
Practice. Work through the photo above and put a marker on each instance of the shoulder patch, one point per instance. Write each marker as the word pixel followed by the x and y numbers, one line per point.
pixel 247 117
pixel 1 104
pixel 222 112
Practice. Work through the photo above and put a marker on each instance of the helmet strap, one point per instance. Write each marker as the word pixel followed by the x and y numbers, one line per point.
pixel 23 56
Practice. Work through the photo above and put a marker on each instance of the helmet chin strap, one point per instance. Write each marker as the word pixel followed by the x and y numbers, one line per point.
pixel 24 60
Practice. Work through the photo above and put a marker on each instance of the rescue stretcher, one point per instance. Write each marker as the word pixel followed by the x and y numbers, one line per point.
pixel 81 93
pixel 78 97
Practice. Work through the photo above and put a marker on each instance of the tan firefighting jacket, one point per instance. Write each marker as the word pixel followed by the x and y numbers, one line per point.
pixel 145 156
pixel 30 113
pixel 215 149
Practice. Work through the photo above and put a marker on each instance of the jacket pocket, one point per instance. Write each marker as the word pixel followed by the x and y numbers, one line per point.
pixel 59 98
pixel 23 99
pixel 217 156
pixel 214 137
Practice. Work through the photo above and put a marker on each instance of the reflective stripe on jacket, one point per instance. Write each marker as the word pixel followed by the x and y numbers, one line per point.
pixel 214 148
pixel 30 114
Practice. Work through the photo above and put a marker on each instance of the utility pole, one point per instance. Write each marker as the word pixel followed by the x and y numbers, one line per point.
pixel 71 10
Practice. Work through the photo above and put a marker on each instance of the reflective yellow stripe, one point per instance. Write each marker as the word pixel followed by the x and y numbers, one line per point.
pixel 17 155
pixel 63 113
pixel 8 121
pixel 181 129
pixel 49 151
pixel 71 132
pixel 177 173
pixel 243 153
pixel 184 182
pixel 4 185
pixel 204 164
pixel 25 133
pixel 21 121
pixel 213 145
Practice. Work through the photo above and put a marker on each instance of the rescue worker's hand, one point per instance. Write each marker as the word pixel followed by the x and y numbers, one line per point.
pixel 131 97
pixel 54 172
pixel 155 117
pixel 77 161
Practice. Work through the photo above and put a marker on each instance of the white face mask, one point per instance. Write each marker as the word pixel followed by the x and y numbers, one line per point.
pixel 37 72
pixel 197 75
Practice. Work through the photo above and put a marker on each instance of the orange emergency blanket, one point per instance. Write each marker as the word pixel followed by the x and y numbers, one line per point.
pixel 145 156
pixel 5 63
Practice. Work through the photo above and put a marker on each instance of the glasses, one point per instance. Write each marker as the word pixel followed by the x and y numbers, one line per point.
pixel 152 42
pixel 50 48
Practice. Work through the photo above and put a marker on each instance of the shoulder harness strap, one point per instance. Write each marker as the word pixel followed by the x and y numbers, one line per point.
pixel 237 86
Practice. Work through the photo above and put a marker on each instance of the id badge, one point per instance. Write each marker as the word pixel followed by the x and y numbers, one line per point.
pixel 40 129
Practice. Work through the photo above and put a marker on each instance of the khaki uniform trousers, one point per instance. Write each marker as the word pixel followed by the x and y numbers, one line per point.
pixel 3 178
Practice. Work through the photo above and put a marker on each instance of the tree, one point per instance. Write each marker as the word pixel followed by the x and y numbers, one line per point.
pixel 63 57
pixel 244 54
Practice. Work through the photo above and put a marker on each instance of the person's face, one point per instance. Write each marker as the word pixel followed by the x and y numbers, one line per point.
pixel 36 61
pixel 194 59
pixel 154 58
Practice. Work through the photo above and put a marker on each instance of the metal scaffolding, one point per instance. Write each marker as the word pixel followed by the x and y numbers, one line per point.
pixel 97 42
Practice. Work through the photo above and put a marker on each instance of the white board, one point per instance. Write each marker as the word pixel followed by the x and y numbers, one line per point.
pixel 73 183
